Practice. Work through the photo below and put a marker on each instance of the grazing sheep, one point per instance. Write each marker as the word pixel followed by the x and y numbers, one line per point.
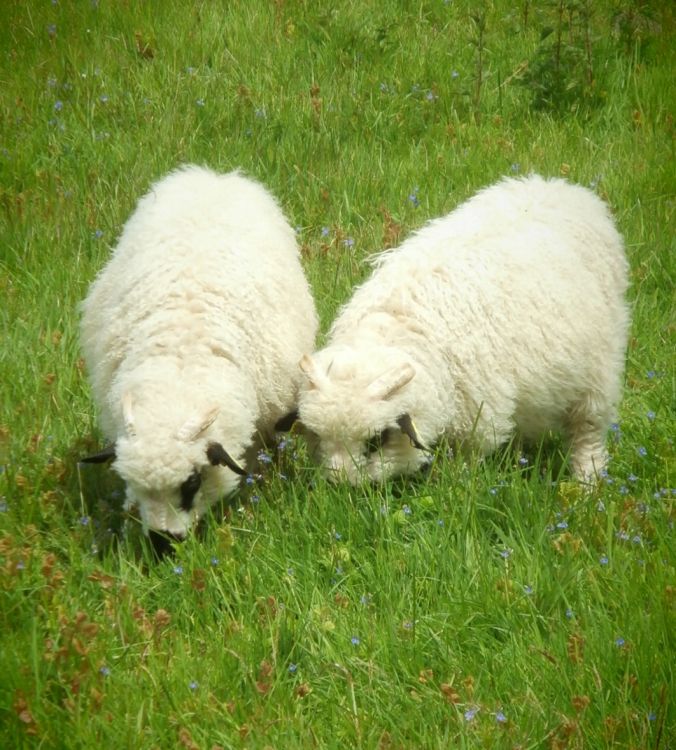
pixel 508 315
pixel 191 335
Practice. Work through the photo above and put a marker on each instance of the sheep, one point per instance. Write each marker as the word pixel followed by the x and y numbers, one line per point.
pixel 191 336
pixel 507 316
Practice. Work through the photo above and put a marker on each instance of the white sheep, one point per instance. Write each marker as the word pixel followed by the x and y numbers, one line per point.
pixel 507 315
pixel 191 335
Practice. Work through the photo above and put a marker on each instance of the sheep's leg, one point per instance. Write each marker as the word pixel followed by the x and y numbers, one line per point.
pixel 587 435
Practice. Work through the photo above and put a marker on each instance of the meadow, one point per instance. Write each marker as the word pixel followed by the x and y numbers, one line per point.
pixel 484 604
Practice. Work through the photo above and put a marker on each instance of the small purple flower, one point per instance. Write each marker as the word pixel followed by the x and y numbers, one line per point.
pixel 290 571
pixel 104 670
pixel 505 553
pixel 455 74
pixel 413 198
pixel 528 589
pixel 408 625
pixel 325 231
pixel 642 451
pixel 337 535
pixel 516 167
pixel 84 521
pixel 98 234
pixel 193 685
pixel 264 457
pixel 51 82
pixel 355 640
pixel 652 716
pixel 431 96
pixel 293 668
pixel 348 242
pixel 603 560
pixel 619 642
pixel 384 88
pixel 650 374
pixel 440 522
pixel 471 713
pixel 58 105
pixel 3 506
pixel 650 414
pixel 632 478
pixel 407 510
pixel 523 461
pixel 213 561
pixel 103 99
pixel 570 614
pixel 190 70
pixel 562 525
pixel 21 565
pixel 51 29
pixel 260 113
pixel 624 490
pixel 178 569
pixel 249 479
pixel 365 599
pixel 199 102
pixel 500 717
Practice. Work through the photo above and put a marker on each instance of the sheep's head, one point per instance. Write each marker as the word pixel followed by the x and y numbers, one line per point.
pixel 174 478
pixel 358 403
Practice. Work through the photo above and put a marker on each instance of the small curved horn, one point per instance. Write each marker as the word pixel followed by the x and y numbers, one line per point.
pixel 285 423
pixel 408 428
pixel 218 456
pixel 107 454
pixel 195 426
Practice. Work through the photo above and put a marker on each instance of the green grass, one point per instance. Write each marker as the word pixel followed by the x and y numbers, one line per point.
pixel 418 614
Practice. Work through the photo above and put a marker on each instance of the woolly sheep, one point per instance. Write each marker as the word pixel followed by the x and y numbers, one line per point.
pixel 507 315
pixel 191 335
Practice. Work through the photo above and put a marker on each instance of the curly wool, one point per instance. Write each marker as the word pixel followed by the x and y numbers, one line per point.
pixel 508 314
pixel 191 335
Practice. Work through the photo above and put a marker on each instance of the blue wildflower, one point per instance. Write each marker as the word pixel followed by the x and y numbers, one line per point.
pixel 471 713
pixel 650 414
pixel 178 569
pixel 603 560
pixel 407 510
pixel 104 670
pixel 632 478
pixel 325 231
pixel 562 525
pixel 355 640
pixel 199 102
pixel 516 167
pixel 348 242
pixel 619 642
pixel 528 589
pixel 293 668
pixel 193 685
pixel 58 105
pixel 642 451
pixel 455 74
pixel 500 717
pixel 214 561
pixel 505 553
pixel 570 614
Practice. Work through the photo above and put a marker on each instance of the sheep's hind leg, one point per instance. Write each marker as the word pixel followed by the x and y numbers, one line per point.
pixel 588 454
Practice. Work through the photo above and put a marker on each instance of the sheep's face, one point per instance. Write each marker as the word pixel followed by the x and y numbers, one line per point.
pixel 174 479
pixel 358 405
pixel 172 486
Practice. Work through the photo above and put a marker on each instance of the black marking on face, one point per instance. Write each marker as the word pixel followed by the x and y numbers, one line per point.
pixel 189 489
pixel 162 543
pixel 376 443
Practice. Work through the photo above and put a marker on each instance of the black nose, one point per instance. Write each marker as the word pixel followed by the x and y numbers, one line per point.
pixel 162 542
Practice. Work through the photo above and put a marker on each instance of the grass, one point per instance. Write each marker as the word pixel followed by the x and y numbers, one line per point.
pixel 487 604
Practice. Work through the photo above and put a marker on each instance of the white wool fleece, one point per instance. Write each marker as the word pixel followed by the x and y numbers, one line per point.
pixel 191 335
pixel 509 314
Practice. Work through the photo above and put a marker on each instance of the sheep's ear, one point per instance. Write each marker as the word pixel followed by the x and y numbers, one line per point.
pixel 390 382
pixel 408 428
pixel 128 414
pixel 107 454
pixel 285 423
pixel 315 376
pixel 194 427
pixel 218 456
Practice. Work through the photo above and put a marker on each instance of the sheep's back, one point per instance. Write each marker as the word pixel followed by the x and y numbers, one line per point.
pixel 206 266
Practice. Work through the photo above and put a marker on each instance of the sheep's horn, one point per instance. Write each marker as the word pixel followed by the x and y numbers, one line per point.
pixel 218 456
pixel 285 423
pixel 406 426
pixel 102 456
